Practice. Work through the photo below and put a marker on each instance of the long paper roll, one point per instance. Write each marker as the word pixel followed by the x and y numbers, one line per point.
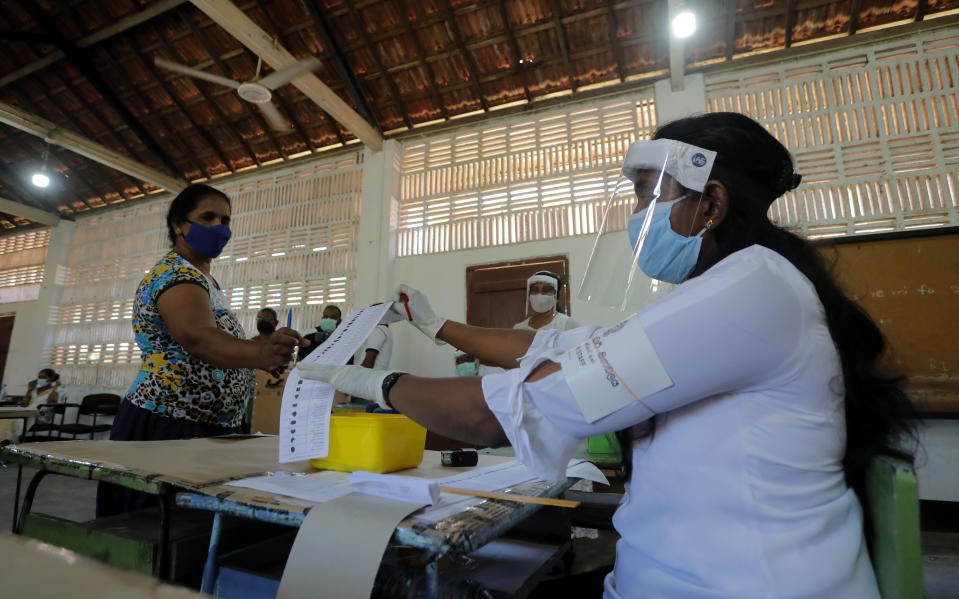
pixel 340 546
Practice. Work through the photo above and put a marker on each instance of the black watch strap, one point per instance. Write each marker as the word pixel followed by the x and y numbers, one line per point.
pixel 388 383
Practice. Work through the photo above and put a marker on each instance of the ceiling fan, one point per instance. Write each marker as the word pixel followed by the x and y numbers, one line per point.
pixel 256 91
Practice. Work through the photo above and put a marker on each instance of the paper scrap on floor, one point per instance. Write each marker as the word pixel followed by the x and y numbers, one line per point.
pixel 307 404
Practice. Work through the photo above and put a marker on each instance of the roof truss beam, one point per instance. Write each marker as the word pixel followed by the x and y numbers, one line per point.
pixel 29 212
pixel 50 132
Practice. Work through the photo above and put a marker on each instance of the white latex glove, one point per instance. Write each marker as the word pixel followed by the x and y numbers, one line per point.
pixel 423 317
pixel 352 380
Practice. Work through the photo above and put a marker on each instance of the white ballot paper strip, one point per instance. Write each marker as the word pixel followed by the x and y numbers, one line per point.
pixel 394 486
pixel 306 407
pixel 613 369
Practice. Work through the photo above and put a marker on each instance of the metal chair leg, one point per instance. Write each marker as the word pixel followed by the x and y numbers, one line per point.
pixel 28 501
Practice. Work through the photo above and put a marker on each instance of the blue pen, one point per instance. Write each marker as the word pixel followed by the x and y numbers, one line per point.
pixel 289 325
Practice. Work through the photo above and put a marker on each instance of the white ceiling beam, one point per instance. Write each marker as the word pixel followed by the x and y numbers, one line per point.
pixel 677 48
pixel 51 133
pixel 29 212
pixel 236 23
pixel 120 26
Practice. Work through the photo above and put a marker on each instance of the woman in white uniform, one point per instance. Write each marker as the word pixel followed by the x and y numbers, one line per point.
pixel 542 295
pixel 751 395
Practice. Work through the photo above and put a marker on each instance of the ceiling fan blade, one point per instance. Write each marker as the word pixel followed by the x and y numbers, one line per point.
pixel 273 117
pixel 278 78
pixel 179 68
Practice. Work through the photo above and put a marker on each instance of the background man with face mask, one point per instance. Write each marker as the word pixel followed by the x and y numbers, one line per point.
pixel 266 322
pixel 542 292
pixel 332 316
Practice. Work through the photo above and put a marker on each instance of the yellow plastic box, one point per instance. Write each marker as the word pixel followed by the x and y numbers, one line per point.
pixel 373 442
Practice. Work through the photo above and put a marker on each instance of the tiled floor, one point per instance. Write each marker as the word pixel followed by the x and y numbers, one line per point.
pixel 74 499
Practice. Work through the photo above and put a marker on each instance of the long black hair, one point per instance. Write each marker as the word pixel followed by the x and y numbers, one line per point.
pixel 184 203
pixel 756 169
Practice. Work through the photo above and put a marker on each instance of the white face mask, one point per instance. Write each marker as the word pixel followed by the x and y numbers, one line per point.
pixel 542 303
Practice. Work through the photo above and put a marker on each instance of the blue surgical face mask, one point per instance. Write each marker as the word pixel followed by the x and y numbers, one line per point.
pixel 466 368
pixel 209 241
pixel 43 382
pixel 327 324
pixel 666 255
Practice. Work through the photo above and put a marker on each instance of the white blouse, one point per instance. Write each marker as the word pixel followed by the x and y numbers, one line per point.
pixel 739 492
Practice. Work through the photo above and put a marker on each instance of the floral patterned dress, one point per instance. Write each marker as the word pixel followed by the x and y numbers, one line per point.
pixel 171 382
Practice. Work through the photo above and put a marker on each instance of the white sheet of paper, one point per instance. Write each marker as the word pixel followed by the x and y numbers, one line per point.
pixel 396 486
pixel 613 369
pixel 305 410
pixel 317 487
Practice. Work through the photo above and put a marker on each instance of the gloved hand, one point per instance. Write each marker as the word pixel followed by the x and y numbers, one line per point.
pixel 423 317
pixel 352 380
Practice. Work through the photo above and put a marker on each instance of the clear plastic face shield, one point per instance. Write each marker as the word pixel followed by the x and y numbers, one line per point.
pixel 641 243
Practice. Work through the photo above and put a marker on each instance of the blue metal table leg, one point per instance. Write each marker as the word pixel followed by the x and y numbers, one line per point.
pixel 433 579
pixel 209 569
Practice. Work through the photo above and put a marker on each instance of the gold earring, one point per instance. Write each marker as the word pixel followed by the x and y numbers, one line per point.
pixel 709 224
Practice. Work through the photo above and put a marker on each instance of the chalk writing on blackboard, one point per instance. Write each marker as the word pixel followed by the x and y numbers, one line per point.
pixel 924 290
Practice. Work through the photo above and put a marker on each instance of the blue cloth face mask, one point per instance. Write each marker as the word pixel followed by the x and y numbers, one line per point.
pixel 466 369
pixel 327 324
pixel 666 255
pixel 209 241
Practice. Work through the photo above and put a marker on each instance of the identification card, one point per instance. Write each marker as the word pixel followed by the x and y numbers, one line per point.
pixel 613 369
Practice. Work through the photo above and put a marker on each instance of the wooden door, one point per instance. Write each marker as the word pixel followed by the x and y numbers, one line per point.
pixel 6 330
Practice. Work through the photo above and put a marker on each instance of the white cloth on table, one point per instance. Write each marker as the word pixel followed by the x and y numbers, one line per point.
pixel 739 492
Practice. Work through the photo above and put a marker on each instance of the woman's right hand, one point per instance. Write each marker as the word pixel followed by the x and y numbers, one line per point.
pixel 278 349
pixel 421 315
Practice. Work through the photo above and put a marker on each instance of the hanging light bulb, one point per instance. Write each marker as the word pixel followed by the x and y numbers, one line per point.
pixel 40 178
pixel 684 24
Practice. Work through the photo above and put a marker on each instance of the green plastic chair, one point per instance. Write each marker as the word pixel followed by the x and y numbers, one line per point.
pixel 894 514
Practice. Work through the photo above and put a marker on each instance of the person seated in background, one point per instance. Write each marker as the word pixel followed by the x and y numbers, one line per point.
pixel 266 322
pixel 332 317
pixel 542 296
pixel 43 390
pixel 376 350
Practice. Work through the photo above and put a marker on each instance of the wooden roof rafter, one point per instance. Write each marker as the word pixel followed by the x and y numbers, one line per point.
pixel 468 59
pixel 377 54
pixel 421 59
pixel 518 59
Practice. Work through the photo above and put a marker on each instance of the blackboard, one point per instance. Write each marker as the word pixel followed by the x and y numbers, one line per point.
pixel 909 284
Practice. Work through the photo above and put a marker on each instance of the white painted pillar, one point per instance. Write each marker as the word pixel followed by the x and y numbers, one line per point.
pixel 688 101
pixel 377 234
pixel 31 327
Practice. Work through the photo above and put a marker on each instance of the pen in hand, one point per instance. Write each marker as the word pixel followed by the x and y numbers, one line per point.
pixel 406 304
pixel 289 325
